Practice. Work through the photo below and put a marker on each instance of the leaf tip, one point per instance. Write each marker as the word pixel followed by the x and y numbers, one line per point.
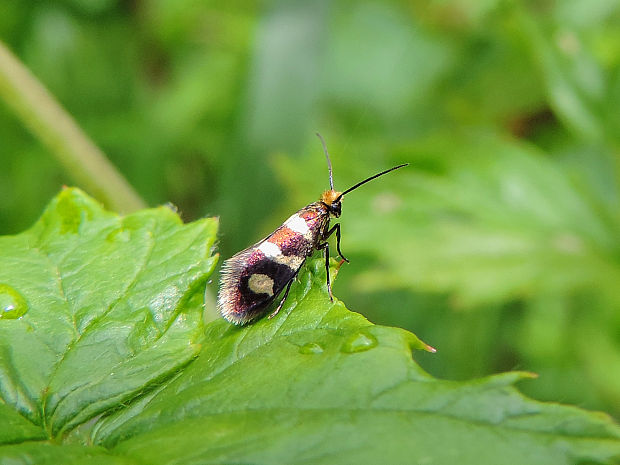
pixel 429 348
pixel 415 343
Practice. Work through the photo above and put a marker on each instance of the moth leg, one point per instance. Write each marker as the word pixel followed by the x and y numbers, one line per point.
pixel 326 235
pixel 288 288
pixel 325 245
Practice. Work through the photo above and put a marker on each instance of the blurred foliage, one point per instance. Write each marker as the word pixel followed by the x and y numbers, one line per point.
pixel 500 241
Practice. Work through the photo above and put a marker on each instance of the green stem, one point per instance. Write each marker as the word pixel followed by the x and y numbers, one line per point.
pixel 57 130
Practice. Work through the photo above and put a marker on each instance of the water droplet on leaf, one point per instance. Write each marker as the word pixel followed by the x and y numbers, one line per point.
pixel 12 303
pixel 311 348
pixel 359 342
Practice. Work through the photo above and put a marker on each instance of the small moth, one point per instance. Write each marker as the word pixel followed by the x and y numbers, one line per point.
pixel 254 277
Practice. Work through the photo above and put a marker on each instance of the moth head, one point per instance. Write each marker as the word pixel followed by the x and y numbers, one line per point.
pixel 333 201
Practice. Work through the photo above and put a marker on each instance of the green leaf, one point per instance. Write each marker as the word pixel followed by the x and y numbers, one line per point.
pixel 45 453
pixel 104 304
pixel 111 309
pixel 320 384
pixel 491 221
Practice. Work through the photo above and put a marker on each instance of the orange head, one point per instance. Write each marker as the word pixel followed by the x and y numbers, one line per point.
pixel 331 199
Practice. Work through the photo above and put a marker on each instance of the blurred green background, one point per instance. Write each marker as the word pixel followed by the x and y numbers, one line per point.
pixel 499 245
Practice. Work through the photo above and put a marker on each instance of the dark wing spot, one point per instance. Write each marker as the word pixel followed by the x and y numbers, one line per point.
pixel 253 303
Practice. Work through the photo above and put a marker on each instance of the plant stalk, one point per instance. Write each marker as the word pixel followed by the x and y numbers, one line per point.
pixel 57 130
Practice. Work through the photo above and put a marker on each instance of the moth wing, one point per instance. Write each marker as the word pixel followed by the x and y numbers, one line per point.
pixel 250 282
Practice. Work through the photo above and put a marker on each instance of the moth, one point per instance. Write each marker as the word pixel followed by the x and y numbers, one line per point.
pixel 253 278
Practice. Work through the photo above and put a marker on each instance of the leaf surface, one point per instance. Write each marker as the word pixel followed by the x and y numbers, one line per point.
pixel 112 319
pixel 320 384
pixel 104 310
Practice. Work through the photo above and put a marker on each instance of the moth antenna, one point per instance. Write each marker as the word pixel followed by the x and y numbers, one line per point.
pixel 329 162
pixel 369 179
